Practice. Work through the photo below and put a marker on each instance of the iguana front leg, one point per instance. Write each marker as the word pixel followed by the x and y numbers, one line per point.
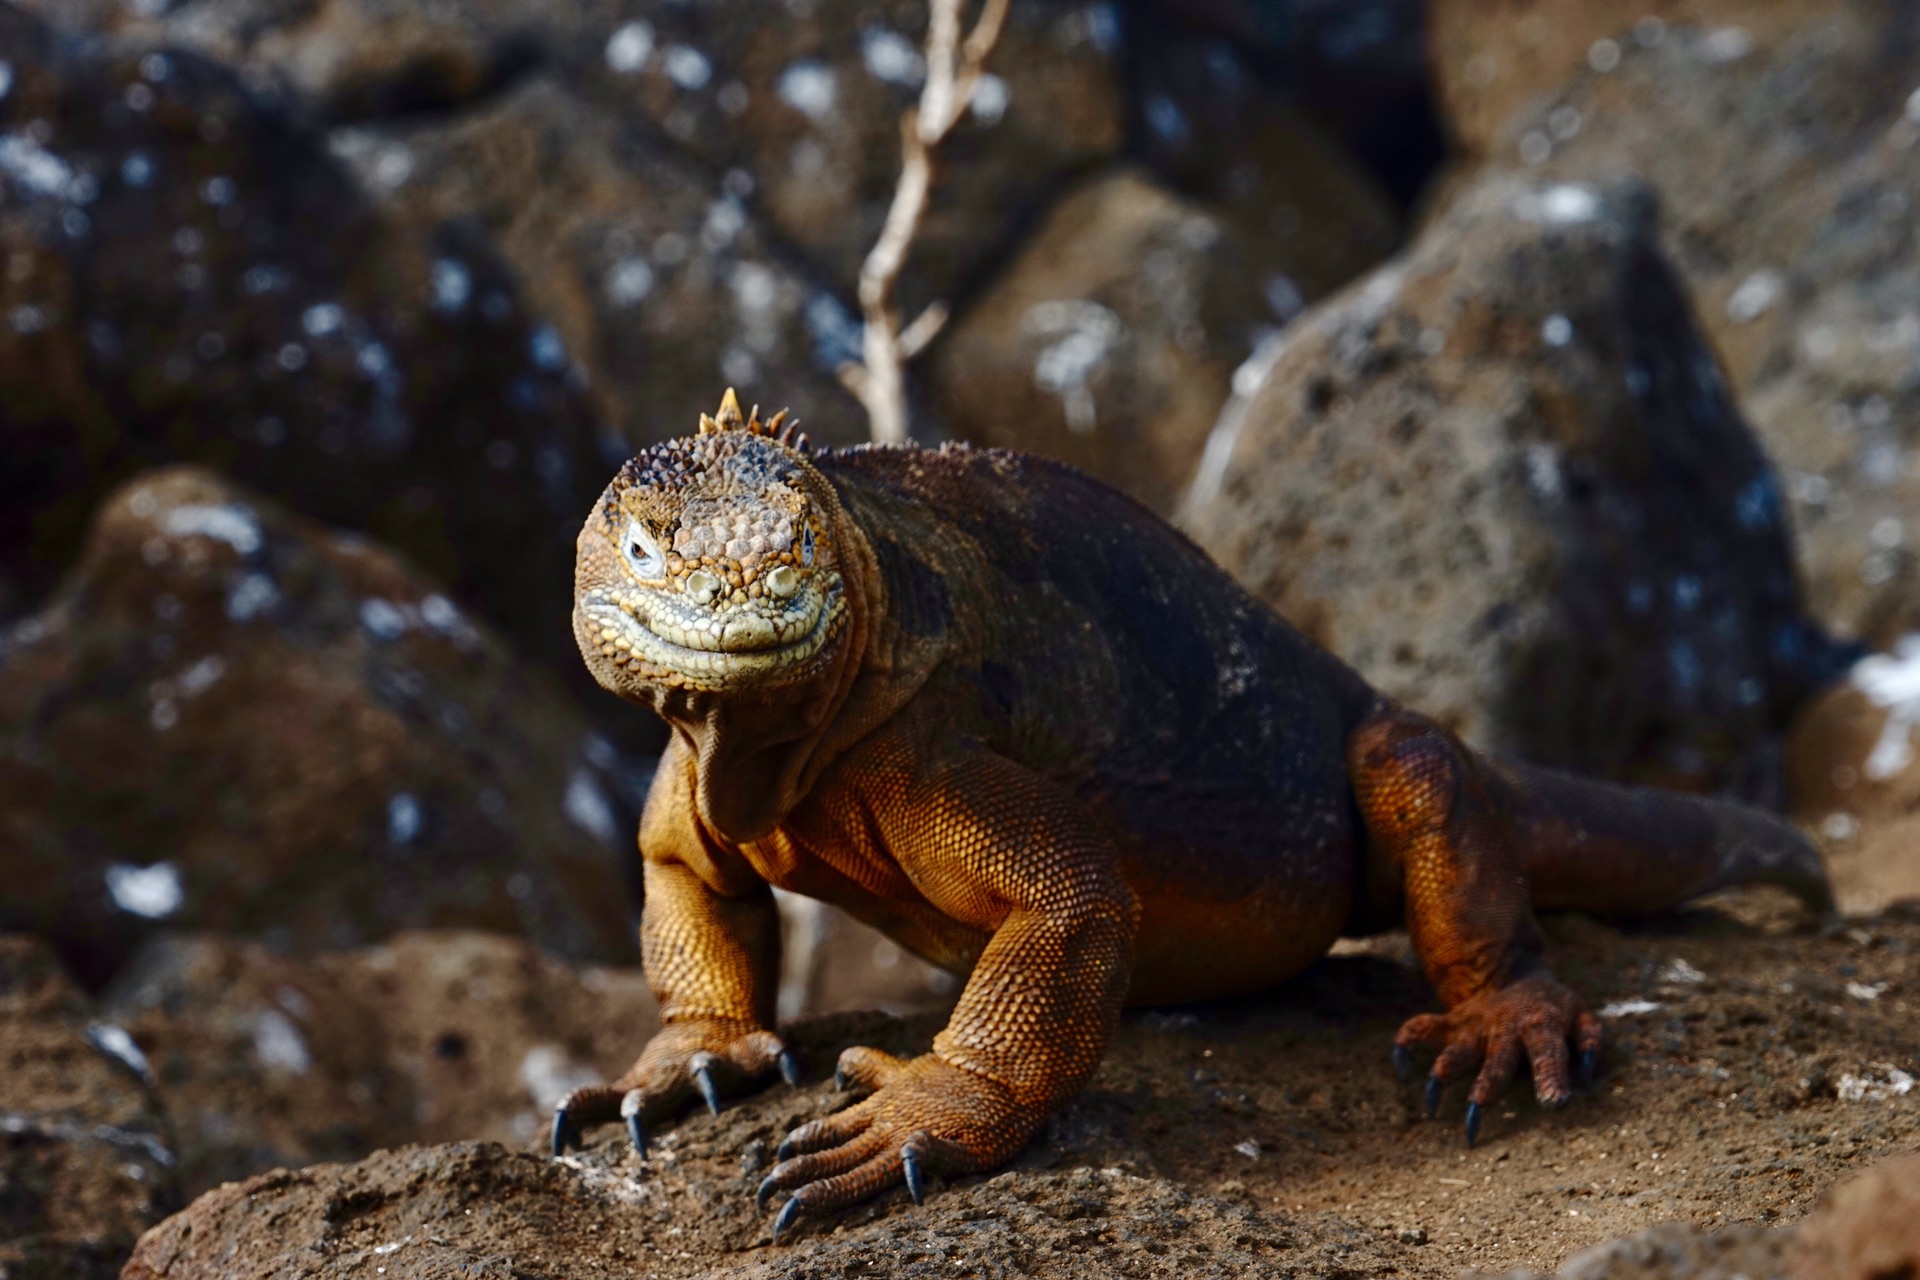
pixel 710 940
pixel 1000 848
pixel 1432 817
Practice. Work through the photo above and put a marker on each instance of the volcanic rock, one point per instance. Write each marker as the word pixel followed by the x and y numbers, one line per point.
pixel 189 273
pixel 232 719
pixel 1111 340
pixel 1781 141
pixel 1505 478
pixel 265 1061
pixel 86 1156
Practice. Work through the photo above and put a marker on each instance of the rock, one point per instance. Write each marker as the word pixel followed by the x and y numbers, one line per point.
pixel 1359 67
pixel 832 963
pixel 1676 1251
pixel 1493 60
pixel 1868 1227
pixel 1259 1137
pixel 808 110
pixel 232 719
pixel 471 1208
pixel 1216 126
pixel 86 1159
pixel 351 59
pixel 265 1061
pixel 1780 139
pixel 1505 479
pixel 1853 782
pixel 659 288
pixel 190 275
pixel 1111 340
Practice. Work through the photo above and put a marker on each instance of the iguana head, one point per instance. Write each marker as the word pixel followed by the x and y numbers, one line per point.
pixel 710 564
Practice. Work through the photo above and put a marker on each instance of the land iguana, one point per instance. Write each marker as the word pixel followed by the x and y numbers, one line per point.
pixel 1012 719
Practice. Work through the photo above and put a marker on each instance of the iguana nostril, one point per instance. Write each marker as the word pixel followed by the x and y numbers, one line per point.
pixel 783 581
pixel 702 586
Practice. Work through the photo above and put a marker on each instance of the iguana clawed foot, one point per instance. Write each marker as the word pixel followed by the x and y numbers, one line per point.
pixel 707 1058
pixel 1487 1035
pixel 924 1115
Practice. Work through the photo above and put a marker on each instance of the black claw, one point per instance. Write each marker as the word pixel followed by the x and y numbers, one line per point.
pixel 1589 1067
pixel 788 1212
pixel 1402 1062
pixel 916 1180
pixel 563 1134
pixel 1473 1122
pixel 841 1081
pixel 785 1150
pixel 1433 1096
pixel 637 1135
pixel 703 1081
pixel 789 1067
pixel 768 1185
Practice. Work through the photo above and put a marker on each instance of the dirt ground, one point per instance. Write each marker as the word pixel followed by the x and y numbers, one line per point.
pixel 1755 1059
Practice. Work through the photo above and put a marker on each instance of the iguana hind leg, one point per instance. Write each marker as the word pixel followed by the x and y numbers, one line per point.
pixel 1435 823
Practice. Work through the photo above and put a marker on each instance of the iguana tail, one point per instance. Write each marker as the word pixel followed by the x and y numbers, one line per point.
pixel 1598 846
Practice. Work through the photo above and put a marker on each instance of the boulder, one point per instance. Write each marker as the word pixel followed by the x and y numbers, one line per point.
pixel 230 718
pixel 1493 60
pixel 481 1210
pixel 658 287
pixel 189 273
pixel 263 1061
pixel 1780 139
pixel 352 59
pixel 1358 67
pixel 832 963
pixel 1853 779
pixel 1232 126
pixel 807 111
pixel 86 1155
pixel 1866 1228
pixel 1505 478
pixel 1111 339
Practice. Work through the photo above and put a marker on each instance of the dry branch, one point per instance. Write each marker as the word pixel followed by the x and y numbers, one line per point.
pixel 954 68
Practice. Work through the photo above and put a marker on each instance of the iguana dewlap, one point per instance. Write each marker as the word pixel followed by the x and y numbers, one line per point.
pixel 1013 719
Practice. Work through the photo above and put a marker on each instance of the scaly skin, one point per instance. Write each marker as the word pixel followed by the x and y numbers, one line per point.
pixel 1015 721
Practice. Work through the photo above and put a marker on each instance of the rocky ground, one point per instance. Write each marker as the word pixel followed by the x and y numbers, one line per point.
pixel 1756 1059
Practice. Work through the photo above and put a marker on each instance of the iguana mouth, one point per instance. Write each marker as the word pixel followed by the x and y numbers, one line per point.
pixel 648 627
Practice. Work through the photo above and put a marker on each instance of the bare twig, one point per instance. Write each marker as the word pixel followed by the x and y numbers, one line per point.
pixel 954 68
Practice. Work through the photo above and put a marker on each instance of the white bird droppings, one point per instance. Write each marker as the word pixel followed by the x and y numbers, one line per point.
pixel 1563 204
pixel 227 522
pixel 1892 681
pixel 154 892
pixel 810 88
pixel 629 48
pixel 278 1043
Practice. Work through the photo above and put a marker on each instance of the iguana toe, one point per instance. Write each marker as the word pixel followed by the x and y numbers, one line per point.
pixel 1533 1019
pixel 704 1059
pixel 925 1116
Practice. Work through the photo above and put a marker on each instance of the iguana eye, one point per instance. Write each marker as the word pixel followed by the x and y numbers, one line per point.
pixel 644 555
pixel 806 544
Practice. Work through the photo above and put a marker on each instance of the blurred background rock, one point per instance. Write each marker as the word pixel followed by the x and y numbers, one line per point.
pixel 1557 364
